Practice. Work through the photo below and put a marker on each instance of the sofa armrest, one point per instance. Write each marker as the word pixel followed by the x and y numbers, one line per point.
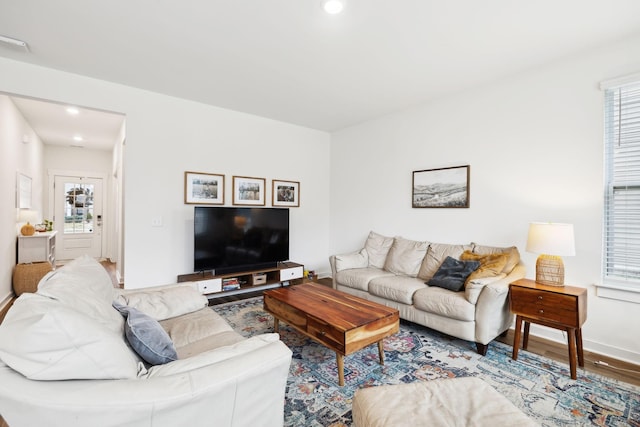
pixel 492 309
pixel 247 389
pixel 163 302
pixel 356 259
pixel 332 263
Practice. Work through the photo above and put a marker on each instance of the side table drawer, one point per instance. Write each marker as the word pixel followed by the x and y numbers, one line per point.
pixel 548 306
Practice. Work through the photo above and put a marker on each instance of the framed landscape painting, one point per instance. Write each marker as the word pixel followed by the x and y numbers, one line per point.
pixel 248 191
pixel 441 188
pixel 285 193
pixel 203 188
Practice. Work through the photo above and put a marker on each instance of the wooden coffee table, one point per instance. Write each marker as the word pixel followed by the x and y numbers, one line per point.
pixel 340 321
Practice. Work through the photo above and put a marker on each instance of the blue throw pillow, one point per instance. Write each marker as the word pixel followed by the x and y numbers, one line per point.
pixel 452 274
pixel 146 336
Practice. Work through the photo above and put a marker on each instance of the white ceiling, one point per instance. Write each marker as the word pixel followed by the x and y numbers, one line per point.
pixel 55 126
pixel 288 60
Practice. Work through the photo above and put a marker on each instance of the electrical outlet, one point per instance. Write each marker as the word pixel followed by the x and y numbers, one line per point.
pixel 156 221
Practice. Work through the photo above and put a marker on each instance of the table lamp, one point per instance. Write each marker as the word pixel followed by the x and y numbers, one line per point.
pixel 29 217
pixel 551 241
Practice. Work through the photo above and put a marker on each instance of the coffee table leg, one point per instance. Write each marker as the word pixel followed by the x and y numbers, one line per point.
pixel 381 351
pixel 340 363
pixel 276 325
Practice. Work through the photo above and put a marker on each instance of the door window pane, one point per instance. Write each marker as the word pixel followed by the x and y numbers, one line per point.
pixel 78 213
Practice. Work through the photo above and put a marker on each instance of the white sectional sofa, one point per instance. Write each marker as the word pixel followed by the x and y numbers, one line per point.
pixel 400 273
pixel 65 361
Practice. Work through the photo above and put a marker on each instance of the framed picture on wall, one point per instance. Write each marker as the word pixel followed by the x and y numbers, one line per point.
pixel 285 193
pixel 249 191
pixel 441 188
pixel 23 191
pixel 203 188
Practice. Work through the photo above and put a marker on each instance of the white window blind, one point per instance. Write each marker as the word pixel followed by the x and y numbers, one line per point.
pixel 622 176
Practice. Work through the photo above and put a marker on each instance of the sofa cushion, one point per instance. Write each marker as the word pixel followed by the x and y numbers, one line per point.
pixel 396 288
pixel 444 303
pixel 212 356
pixel 405 256
pixel 146 336
pixel 359 278
pixel 352 260
pixel 491 265
pixel 85 286
pixel 436 254
pixel 193 327
pixel 165 302
pixel 453 273
pixel 377 247
pixel 44 339
pixel 512 252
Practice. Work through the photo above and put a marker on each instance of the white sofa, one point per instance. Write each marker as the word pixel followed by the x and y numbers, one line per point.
pixel 65 361
pixel 395 272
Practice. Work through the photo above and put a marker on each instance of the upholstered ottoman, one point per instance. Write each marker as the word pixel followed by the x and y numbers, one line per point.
pixel 464 402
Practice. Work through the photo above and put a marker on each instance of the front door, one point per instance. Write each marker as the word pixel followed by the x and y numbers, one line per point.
pixel 78 217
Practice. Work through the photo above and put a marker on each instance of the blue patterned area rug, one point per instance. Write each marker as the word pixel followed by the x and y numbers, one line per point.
pixel 540 387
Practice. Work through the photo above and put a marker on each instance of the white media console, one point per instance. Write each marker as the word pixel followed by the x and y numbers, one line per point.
pixel 211 284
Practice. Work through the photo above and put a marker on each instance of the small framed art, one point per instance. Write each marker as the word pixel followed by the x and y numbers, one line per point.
pixel 285 193
pixel 441 188
pixel 203 188
pixel 248 191
pixel 23 191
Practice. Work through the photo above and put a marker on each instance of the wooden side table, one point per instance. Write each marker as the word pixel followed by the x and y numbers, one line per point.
pixel 559 307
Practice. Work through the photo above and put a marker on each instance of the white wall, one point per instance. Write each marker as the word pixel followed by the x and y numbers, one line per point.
pixel 534 143
pixel 167 136
pixel 15 156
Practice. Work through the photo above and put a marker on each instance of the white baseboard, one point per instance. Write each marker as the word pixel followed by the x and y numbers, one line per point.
pixel 589 345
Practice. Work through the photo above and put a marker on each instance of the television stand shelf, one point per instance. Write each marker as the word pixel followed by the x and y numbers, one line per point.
pixel 265 278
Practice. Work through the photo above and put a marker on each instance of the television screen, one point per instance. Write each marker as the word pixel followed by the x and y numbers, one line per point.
pixel 230 239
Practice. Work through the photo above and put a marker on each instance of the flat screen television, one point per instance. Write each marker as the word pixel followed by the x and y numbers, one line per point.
pixel 232 239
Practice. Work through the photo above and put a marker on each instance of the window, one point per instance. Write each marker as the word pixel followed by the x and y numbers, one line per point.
pixel 621 264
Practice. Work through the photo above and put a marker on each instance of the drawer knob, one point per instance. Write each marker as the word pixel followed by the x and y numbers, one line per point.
pixel 541 311
pixel 323 333
pixel 539 296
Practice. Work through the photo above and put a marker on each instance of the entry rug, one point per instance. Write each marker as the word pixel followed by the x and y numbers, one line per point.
pixel 540 387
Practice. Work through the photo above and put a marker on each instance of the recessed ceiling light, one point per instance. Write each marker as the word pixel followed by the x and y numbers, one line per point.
pixel 73 111
pixel 78 138
pixel 333 7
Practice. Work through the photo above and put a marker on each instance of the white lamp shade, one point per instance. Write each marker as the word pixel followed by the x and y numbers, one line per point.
pixel 551 238
pixel 28 215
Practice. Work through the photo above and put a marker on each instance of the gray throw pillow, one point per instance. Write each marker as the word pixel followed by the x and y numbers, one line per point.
pixel 452 274
pixel 146 336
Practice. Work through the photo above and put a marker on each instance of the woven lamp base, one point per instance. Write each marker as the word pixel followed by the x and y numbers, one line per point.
pixel 550 270
pixel 27 276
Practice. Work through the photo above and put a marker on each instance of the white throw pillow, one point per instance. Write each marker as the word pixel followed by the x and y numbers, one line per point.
pixel 353 260
pixel 46 340
pixel 405 256
pixel 377 247
pixel 164 303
